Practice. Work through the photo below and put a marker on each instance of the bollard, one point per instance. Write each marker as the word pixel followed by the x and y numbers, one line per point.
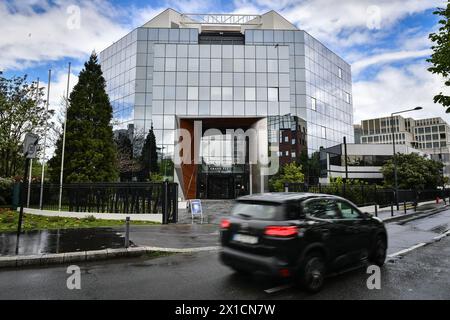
pixel 127 232
pixel 392 209
pixel 404 206
pixel 376 210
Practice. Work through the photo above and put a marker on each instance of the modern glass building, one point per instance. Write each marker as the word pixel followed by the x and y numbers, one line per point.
pixel 179 72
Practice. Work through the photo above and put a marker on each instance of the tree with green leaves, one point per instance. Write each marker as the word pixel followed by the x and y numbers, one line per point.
pixel 440 59
pixel 90 152
pixel 149 156
pixel 22 110
pixel 413 171
pixel 290 173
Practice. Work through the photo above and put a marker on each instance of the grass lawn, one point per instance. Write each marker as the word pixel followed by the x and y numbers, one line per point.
pixel 9 220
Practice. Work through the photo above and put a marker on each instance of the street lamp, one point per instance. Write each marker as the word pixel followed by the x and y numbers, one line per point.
pixel 393 147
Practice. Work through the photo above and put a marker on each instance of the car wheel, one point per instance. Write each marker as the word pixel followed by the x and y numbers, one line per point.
pixel 378 256
pixel 312 272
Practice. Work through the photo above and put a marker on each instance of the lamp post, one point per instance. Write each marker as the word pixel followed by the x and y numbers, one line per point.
pixel 394 152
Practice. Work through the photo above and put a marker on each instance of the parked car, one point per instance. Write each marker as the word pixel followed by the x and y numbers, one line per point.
pixel 304 236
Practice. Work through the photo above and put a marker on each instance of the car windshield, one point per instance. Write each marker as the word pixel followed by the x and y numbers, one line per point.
pixel 258 210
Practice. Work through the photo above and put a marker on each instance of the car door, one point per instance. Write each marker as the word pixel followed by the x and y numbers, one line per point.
pixel 325 228
pixel 357 230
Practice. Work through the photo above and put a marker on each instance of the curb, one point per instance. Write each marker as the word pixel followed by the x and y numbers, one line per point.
pixel 415 215
pixel 83 256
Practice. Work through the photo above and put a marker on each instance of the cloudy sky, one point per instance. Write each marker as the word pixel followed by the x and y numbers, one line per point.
pixel 385 41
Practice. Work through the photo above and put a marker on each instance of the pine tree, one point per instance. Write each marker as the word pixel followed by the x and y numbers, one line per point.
pixel 90 153
pixel 149 156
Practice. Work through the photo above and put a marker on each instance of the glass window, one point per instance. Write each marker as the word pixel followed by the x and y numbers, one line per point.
pixel 261 94
pixel 216 79
pixel 273 94
pixel 227 65
pixel 193 64
pixel 272 65
pixel 205 93
pixel 261 65
pixel 216 93
pixel 203 108
pixel 348 211
pixel 321 209
pixel 169 78
pixel 181 78
pixel 205 51
pixel 238 65
pixel 192 93
pixel 238 79
pixel 250 65
pixel 205 65
pixel 193 51
pixel 347 97
pixel 250 94
pixel 169 93
pixel 238 52
pixel 261 52
pixel 227 93
pixel 205 79
pixel 313 104
pixel 181 64
pixel 181 93
pixel 182 51
pixel 216 65
pixel 216 51
pixel 340 73
pixel 184 35
pixel 239 93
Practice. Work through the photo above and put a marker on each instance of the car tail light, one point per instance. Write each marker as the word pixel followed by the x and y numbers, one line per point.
pixel 281 231
pixel 225 224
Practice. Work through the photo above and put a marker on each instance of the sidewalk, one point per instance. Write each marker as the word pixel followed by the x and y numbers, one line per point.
pixel 387 216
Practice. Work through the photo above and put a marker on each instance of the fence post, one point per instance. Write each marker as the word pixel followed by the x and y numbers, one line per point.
pixel 175 203
pixel 376 210
pixel 286 187
pixel 392 209
pixel 164 204
pixel 127 232
pixel 404 206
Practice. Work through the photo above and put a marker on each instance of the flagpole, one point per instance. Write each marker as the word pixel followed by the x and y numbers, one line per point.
pixel 45 141
pixel 64 142
pixel 31 161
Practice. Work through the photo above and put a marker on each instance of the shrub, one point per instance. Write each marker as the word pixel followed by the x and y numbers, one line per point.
pixel 6 186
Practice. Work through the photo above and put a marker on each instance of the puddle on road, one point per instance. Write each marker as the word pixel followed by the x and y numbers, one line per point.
pixel 60 241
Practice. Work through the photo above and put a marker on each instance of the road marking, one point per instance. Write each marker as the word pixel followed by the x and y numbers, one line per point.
pixel 279 288
pixel 442 235
pixel 406 250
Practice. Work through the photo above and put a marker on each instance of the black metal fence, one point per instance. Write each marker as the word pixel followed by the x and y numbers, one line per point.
pixel 132 198
pixel 365 195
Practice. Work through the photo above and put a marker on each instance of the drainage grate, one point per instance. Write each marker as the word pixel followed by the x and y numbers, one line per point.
pixel 439 229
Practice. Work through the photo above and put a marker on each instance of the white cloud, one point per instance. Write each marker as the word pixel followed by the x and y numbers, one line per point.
pixel 395 89
pixel 345 22
pixel 388 57
pixel 53 32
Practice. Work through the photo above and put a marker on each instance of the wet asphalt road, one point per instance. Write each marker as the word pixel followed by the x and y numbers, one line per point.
pixel 422 274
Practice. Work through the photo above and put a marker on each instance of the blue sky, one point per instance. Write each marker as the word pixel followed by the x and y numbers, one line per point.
pixel 385 41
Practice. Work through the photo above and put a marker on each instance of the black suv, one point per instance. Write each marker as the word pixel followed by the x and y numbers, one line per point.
pixel 302 235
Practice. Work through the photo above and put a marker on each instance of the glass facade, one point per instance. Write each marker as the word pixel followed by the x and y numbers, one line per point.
pixel 320 86
pixel 157 76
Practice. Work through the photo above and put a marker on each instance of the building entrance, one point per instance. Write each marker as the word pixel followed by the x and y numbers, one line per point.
pixel 223 170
